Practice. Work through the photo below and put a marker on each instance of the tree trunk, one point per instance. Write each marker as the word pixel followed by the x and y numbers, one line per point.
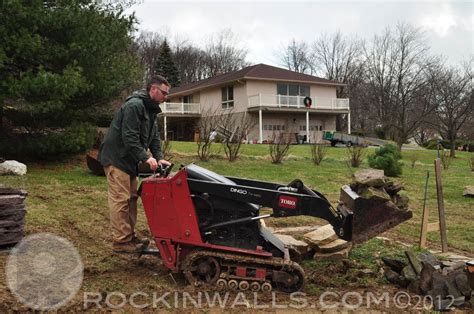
pixel 452 152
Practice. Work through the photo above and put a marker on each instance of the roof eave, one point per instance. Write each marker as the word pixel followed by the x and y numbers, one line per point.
pixel 195 89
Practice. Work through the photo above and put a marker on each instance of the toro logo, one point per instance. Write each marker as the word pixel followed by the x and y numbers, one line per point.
pixel 287 202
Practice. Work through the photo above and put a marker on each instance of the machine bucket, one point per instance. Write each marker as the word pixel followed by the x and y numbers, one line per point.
pixel 371 217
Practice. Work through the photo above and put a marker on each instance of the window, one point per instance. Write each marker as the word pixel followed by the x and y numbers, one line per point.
pixel 293 90
pixel 228 97
pixel 188 99
pixel 286 90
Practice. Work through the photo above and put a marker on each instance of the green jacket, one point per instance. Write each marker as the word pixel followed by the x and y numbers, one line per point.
pixel 132 131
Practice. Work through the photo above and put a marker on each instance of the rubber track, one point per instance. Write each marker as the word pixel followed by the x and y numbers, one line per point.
pixel 237 258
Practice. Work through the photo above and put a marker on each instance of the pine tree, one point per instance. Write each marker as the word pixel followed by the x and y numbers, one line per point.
pixel 165 65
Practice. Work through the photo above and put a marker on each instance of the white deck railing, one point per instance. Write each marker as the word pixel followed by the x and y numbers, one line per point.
pixel 179 107
pixel 281 101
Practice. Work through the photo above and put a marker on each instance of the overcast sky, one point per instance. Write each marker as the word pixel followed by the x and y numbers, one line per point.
pixel 264 27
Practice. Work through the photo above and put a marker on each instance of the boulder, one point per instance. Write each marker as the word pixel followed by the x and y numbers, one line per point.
pixel 12 167
pixel 370 177
pixel 337 245
pixel 339 255
pixel 468 191
pixel 321 236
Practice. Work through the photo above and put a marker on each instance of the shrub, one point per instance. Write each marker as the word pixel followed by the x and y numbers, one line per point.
pixel 355 155
pixel 279 147
pixel 387 158
pixel 445 159
pixel 318 152
pixel 53 144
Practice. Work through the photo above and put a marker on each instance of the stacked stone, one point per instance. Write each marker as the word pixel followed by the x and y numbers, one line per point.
pixel 372 184
pixel 446 283
pixel 326 244
pixel 12 215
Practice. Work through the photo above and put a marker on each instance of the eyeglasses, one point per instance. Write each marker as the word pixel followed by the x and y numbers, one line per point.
pixel 165 93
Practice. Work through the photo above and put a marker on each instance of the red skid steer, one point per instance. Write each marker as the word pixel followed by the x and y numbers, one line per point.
pixel 207 226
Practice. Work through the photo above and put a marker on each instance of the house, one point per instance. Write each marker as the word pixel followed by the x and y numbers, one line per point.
pixel 273 97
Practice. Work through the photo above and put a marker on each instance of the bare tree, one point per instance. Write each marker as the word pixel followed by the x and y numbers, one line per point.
pixel 190 61
pixel 210 119
pixel 395 68
pixel 340 59
pixel 296 57
pixel 223 54
pixel 451 92
pixel 234 129
pixel 147 46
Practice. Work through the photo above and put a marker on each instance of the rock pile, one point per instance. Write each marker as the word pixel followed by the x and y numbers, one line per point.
pixel 321 243
pixel 12 215
pixel 372 184
pixel 446 283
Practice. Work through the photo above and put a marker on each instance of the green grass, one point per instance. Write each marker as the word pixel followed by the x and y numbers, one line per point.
pixel 64 198
pixel 333 172
pixel 69 192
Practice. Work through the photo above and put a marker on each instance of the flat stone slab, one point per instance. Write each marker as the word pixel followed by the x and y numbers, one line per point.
pixel 290 242
pixel 321 236
pixel 468 191
pixel 339 255
pixel 334 246
pixel 300 229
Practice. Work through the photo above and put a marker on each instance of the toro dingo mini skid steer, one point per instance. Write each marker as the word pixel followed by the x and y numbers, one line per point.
pixel 207 226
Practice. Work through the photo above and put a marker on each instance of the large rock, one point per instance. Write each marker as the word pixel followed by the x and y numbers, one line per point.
pixel 12 167
pixel 468 191
pixel 370 177
pixel 321 236
pixel 336 245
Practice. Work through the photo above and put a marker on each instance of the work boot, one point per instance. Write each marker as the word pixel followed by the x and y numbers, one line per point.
pixel 128 247
pixel 138 240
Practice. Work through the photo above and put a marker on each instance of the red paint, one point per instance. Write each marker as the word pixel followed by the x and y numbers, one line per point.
pixel 261 273
pixel 173 222
pixel 286 201
pixel 241 271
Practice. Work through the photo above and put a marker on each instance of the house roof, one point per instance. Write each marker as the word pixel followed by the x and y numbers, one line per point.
pixel 258 72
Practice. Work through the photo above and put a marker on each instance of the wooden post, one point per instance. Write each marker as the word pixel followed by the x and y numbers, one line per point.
pixel 426 215
pixel 439 191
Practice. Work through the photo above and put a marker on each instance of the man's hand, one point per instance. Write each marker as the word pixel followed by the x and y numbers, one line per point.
pixel 152 162
pixel 164 163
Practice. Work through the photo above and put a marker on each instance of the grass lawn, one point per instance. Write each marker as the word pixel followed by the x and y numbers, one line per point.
pixel 65 199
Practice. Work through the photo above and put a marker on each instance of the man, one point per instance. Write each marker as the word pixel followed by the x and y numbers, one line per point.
pixel 132 131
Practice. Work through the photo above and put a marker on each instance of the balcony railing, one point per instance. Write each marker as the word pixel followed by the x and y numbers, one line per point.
pixel 282 101
pixel 180 108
